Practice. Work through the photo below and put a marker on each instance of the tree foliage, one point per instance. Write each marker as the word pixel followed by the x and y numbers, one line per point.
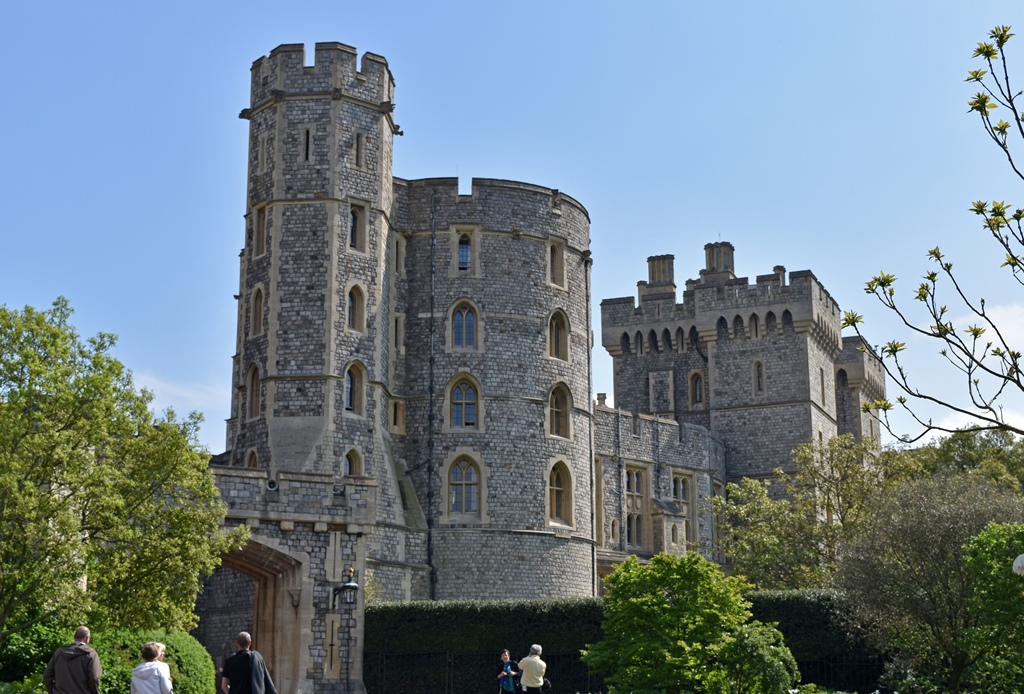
pixel 679 624
pixel 978 351
pixel 998 604
pixel 106 510
pixel 791 540
pixel 905 572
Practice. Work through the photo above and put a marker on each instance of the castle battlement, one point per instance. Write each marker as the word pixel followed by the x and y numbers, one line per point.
pixel 254 496
pixel 334 74
pixel 650 438
pixel 719 295
pixel 485 190
pixel 863 368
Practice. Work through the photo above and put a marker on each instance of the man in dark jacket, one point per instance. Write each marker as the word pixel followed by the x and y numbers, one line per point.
pixel 245 672
pixel 75 668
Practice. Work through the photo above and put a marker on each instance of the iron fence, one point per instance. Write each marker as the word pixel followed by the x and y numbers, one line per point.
pixel 446 672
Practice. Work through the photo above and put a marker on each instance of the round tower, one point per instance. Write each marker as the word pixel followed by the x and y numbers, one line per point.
pixel 496 296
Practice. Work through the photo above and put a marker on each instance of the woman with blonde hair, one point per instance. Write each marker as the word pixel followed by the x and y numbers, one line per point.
pixel 152 675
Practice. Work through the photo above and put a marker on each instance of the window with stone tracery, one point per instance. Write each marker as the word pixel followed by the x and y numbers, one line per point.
pixel 636 500
pixel 464 488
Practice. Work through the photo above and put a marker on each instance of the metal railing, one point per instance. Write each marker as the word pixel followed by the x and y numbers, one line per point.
pixel 445 672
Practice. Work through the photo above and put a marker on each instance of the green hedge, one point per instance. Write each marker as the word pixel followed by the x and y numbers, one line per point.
pixel 25 658
pixel 192 670
pixel 27 652
pixel 472 626
pixel 812 622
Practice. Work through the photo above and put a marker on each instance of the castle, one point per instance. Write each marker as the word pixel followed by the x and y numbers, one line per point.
pixel 412 384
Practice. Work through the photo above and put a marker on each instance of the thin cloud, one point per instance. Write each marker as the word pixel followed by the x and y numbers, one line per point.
pixel 183 397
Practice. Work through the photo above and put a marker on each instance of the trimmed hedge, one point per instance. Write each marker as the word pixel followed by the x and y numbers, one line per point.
pixel 810 620
pixel 819 636
pixel 473 626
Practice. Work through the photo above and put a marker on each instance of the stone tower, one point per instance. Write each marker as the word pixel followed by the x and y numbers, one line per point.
pixel 755 363
pixel 508 302
pixel 411 379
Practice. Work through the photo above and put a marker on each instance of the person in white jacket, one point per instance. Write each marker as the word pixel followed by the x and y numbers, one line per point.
pixel 152 676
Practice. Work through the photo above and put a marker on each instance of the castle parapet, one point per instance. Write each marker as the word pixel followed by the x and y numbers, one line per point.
pixel 651 438
pixel 862 366
pixel 253 496
pixel 334 73
pixel 502 205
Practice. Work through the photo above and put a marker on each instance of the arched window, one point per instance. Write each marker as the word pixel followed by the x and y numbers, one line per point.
pixel 464 487
pixel 694 338
pixel 558 346
pixel 680 489
pixel 559 494
pixel 252 382
pixel 357 228
pixel 652 342
pixel 723 328
pixel 260 232
pixel 675 534
pixel 624 343
pixel 615 530
pixel 696 389
pixel 758 377
pixel 639 340
pixel 354 401
pixel 787 322
pixel 635 506
pixel 666 340
pixel 635 530
pixel 256 319
pixel 465 253
pixel 737 327
pixel 464 327
pixel 356 309
pixel 556 264
pixel 463 406
pixel 352 464
pixel 755 327
pixel 558 415
pixel 770 324
pixel 251 461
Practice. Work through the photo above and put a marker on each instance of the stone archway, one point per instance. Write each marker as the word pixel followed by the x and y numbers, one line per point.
pixel 257 589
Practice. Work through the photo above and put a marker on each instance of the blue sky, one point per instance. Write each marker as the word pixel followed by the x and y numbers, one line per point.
pixel 816 135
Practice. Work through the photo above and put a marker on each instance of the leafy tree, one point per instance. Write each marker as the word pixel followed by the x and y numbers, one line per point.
pixel 979 351
pixel 770 542
pixel 998 605
pixel 997 455
pixel 106 511
pixel 792 541
pixel 679 624
pixel 905 575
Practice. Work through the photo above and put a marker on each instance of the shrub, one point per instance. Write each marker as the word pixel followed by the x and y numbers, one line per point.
pixel 192 668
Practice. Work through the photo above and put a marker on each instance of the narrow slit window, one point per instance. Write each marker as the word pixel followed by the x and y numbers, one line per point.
pixel 465 253
pixel 360 150
pixel 260 232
